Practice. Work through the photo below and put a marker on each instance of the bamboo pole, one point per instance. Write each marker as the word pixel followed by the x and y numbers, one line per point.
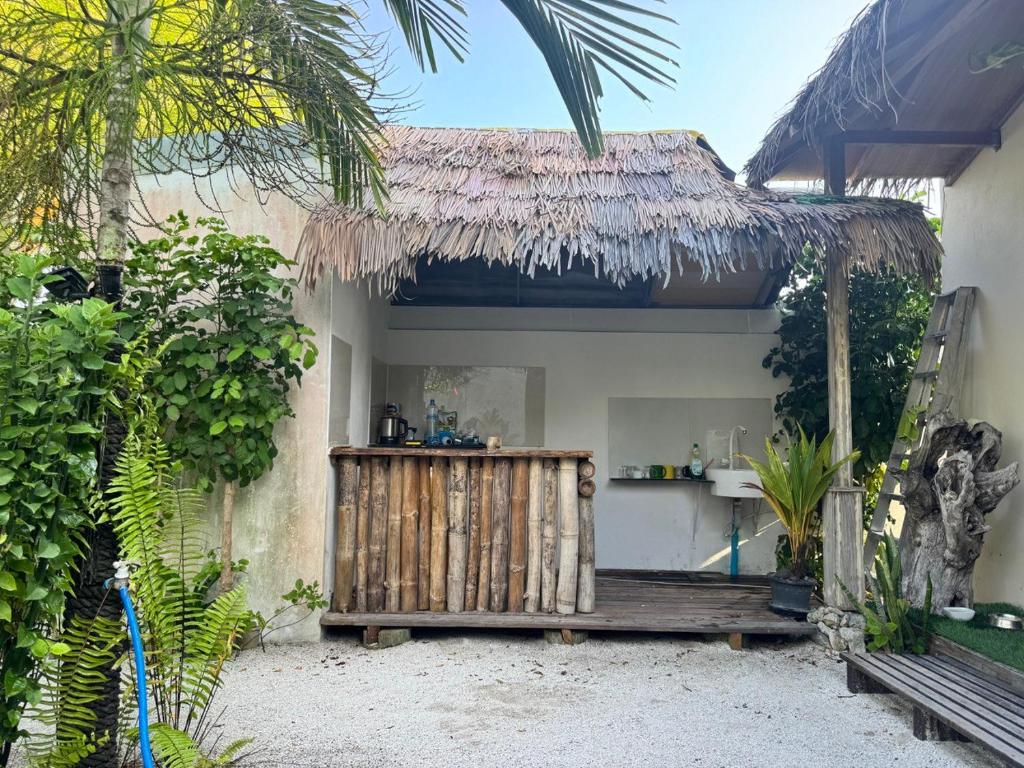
pixel 345 538
pixel 473 546
pixel 500 501
pixel 534 516
pixel 410 520
pixel 587 581
pixel 438 531
pixel 423 588
pixel 483 591
pixel 378 532
pixel 548 533
pixel 568 536
pixel 457 504
pixel 393 551
pixel 517 535
pixel 362 535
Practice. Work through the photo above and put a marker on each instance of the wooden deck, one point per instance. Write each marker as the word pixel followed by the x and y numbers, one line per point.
pixel 626 602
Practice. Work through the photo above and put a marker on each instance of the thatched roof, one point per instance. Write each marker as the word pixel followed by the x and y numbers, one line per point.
pixel 652 203
pixel 906 65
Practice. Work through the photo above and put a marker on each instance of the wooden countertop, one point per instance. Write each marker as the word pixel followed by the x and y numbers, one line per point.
pixel 461 453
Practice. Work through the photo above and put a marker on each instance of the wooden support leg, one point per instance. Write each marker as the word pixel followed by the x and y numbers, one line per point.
pixel 858 682
pixel 737 641
pixel 370 635
pixel 565 636
pixel 929 728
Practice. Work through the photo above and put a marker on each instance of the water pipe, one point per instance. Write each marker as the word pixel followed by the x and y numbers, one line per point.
pixel 734 540
pixel 120 582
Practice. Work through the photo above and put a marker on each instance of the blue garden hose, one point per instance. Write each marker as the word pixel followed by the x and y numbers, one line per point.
pixel 120 581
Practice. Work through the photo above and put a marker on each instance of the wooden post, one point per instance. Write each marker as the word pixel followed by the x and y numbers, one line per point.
pixel 410 522
pixel 568 536
pixel 345 540
pixel 534 516
pixel 378 533
pixel 842 526
pixel 473 546
pixel 588 576
pixel 501 500
pixel 393 552
pixel 438 532
pixel 517 535
pixel 423 586
pixel 483 591
pixel 457 535
pixel 548 541
pixel 363 535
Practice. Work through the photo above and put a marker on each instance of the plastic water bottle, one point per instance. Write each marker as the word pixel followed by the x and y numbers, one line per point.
pixel 432 421
pixel 696 464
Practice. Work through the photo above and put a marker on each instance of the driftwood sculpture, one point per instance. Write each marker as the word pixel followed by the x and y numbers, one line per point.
pixel 951 484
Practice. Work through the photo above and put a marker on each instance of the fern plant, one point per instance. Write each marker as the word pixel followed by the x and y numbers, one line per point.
pixel 187 638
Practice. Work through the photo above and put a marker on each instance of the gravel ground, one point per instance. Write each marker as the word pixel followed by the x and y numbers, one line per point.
pixel 497 700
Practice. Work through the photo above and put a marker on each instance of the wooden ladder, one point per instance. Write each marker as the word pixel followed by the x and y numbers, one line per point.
pixel 934 392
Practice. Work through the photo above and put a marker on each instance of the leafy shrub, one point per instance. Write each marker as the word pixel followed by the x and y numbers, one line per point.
pixel 220 320
pixel 887 614
pixel 56 378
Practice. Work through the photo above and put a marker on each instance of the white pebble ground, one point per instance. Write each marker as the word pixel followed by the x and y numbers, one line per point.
pixel 500 700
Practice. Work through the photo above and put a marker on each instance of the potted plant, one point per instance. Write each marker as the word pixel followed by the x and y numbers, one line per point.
pixel 794 486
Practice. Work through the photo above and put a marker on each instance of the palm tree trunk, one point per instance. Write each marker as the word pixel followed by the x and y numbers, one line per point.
pixel 91 598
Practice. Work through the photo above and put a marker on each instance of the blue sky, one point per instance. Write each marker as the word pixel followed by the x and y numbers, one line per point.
pixel 740 63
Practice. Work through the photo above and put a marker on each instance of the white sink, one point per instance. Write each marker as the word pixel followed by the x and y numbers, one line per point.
pixel 729 483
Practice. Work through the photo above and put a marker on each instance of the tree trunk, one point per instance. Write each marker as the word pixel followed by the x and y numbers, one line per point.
pixel 438 532
pixel 568 536
pixel 423 586
pixel 518 534
pixel 950 485
pixel 483 590
pixel 227 520
pixel 363 535
pixel 459 470
pixel 473 547
pixel 410 521
pixel 501 498
pixel 534 516
pixel 393 550
pixel 90 598
pixel 378 533
pixel 549 531
pixel 345 539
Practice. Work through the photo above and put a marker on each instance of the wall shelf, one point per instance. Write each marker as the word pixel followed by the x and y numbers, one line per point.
pixel 662 481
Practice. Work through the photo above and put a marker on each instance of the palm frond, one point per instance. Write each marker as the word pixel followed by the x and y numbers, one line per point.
pixel 576 37
pixel 419 20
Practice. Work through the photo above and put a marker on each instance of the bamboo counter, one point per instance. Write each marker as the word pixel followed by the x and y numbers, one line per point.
pixel 456 530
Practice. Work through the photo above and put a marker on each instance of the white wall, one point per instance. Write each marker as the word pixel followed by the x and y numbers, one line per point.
pixel 699 353
pixel 983 216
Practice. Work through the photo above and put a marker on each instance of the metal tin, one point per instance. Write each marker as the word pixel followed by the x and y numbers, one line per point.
pixel 1006 621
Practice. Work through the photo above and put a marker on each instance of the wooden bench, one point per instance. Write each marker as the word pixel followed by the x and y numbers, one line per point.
pixel 950 699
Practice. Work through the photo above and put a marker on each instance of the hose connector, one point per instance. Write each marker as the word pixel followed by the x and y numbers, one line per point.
pixel 122 573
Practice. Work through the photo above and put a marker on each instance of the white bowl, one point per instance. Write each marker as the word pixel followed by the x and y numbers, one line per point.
pixel 958 614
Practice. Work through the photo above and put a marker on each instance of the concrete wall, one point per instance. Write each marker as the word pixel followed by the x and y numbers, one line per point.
pixel 983 213
pixel 592 355
pixel 281 525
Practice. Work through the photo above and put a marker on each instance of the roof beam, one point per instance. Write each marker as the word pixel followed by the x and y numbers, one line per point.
pixel 990 138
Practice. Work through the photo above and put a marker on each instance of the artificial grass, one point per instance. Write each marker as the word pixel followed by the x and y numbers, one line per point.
pixel 1002 645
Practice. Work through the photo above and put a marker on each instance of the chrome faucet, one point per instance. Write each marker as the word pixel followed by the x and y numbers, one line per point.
pixel 732 443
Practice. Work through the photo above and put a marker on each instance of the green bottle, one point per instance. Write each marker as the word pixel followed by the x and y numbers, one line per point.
pixel 696 464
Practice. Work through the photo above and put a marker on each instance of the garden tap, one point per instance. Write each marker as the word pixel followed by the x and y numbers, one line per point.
pixel 732 443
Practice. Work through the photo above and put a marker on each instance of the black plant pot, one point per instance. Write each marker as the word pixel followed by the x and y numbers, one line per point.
pixel 791 597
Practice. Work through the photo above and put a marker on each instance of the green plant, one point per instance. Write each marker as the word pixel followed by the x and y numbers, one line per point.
pixel 187 636
pixel 888 314
pixel 56 381
pixel 303 598
pixel 887 614
pixel 793 487
pixel 219 317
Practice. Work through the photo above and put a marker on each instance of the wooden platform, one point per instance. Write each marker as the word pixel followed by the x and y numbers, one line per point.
pixel 647 602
